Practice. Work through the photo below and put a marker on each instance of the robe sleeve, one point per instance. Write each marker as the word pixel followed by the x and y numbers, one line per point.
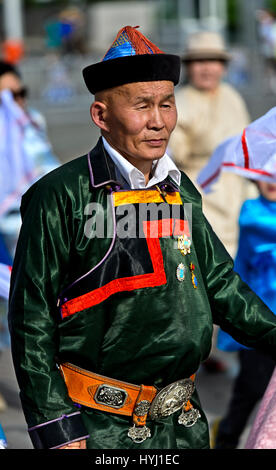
pixel 235 307
pixel 39 270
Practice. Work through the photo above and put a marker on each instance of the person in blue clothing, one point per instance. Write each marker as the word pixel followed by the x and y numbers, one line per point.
pixel 256 264
pixel 5 262
pixel 3 439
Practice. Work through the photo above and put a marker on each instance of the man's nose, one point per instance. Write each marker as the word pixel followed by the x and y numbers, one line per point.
pixel 155 120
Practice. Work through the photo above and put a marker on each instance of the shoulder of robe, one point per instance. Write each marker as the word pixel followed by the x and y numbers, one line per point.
pixel 58 181
pixel 189 192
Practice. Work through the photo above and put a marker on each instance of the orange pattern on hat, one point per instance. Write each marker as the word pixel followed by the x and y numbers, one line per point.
pixel 139 42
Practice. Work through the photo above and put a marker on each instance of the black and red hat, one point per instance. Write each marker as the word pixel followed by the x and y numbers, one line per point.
pixel 131 58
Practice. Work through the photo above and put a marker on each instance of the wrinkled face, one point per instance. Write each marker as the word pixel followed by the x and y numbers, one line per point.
pixel 206 75
pixel 268 190
pixel 11 82
pixel 138 119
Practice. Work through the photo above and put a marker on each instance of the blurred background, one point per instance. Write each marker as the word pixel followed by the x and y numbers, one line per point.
pixel 51 41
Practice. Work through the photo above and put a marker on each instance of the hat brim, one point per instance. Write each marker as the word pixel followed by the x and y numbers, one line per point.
pixel 206 55
pixel 130 69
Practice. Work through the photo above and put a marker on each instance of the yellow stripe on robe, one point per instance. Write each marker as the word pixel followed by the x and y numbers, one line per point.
pixel 144 196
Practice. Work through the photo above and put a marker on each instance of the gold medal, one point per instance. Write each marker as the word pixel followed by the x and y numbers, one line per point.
pixel 194 279
pixel 184 244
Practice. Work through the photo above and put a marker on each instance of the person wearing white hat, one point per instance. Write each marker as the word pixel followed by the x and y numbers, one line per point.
pixel 209 111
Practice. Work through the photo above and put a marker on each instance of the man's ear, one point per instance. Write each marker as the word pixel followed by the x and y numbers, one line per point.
pixel 98 112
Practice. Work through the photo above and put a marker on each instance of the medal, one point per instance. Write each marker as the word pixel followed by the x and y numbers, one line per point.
pixel 180 272
pixel 194 279
pixel 184 244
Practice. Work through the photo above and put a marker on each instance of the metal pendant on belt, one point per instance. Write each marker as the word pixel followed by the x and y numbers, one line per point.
pixel 139 433
pixel 189 418
pixel 167 401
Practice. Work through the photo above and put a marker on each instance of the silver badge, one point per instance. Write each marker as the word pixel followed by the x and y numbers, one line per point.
pixel 110 396
pixel 180 272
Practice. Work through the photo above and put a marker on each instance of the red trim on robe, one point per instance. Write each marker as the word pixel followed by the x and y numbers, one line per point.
pixel 154 230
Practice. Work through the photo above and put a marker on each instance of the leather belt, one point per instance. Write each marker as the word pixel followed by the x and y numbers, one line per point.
pixel 123 398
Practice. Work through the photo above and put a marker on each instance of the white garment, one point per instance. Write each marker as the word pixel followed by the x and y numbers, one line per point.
pixel 5 275
pixel 25 152
pixel 162 168
pixel 25 156
pixel 250 154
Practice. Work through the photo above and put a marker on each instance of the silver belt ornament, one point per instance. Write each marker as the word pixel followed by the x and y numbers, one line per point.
pixel 167 401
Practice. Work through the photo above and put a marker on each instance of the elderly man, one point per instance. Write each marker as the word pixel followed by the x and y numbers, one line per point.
pixel 109 326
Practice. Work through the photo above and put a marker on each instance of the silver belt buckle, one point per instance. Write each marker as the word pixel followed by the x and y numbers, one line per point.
pixel 171 398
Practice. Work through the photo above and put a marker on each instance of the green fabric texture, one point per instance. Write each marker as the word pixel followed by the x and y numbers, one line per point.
pixel 154 336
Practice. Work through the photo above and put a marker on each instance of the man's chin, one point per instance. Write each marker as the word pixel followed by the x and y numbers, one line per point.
pixel 154 154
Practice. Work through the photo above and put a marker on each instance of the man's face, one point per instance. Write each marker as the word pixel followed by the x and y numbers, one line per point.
pixel 139 119
pixel 13 83
pixel 206 75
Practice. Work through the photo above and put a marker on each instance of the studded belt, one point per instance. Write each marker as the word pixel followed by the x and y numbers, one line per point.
pixel 123 398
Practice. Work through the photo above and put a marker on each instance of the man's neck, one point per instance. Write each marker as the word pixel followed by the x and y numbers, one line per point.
pixel 145 166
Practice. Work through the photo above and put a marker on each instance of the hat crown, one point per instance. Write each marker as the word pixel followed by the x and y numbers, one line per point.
pixel 206 41
pixel 206 45
pixel 129 41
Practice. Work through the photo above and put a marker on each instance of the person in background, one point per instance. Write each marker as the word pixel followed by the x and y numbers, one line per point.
pixel 25 156
pixel 256 264
pixel 263 432
pixel 5 264
pixel 266 28
pixel 210 111
pixel 32 146
pixel 3 439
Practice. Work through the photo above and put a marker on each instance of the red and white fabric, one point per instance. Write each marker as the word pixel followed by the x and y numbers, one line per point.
pixel 251 154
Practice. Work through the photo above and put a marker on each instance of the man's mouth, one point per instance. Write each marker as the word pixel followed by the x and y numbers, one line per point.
pixel 155 142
